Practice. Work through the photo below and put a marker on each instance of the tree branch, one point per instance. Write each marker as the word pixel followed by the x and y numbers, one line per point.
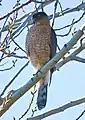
pixel 79 59
pixel 11 81
pixel 71 57
pixel 28 20
pixel 58 110
pixel 24 4
pixel 81 115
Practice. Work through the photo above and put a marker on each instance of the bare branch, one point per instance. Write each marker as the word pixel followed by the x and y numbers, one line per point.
pixel 18 46
pixel 79 59
pixel 12 54
pixel 28 21
pixel 24 4
pixel 69 10
pixel 5 23
pixel 71 23
pixel 58 110
pixel 0 2
pixel 68 31
pixel 18 22
pixel 53 19
pixel 33 95
pixel 17 56
pixel 80 115
pixel 71 57
pixel 6 69
pixel 12 80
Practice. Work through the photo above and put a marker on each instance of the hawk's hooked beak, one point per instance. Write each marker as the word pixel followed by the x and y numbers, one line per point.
pixel 37 22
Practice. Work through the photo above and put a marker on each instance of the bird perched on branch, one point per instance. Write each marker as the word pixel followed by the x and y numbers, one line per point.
pixel 41 45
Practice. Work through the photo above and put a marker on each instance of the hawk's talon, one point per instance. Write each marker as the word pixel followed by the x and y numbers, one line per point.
pixel 39 71
pixel 34 74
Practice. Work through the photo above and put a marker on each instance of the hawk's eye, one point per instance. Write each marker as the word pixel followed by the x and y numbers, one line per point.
pixel 38 15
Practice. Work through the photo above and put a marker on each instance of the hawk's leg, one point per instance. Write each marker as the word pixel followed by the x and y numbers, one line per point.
pixel 39 70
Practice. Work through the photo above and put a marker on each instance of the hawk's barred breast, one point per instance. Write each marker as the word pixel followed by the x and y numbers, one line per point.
pixel 39 44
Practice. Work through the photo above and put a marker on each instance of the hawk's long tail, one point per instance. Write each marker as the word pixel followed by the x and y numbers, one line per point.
pixel 42 93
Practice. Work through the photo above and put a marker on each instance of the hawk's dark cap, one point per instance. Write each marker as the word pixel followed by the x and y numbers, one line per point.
pixel 39 15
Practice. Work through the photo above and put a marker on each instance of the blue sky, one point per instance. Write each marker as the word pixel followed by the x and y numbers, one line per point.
pixel 67 84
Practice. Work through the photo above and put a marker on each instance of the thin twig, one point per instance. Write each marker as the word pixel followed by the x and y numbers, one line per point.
pixel 58 14
pixel 58 110
pixel 12 80
pixel 19 32
pixel 18 22
pixel 5 39
pixel 18 46
pixel 78 59
pixel 24 4
pixel 5 22
pixel 68 31
pixel 4 63
pixel 33 95
pixel 56 3
pixel 6 69
pixel 71 23
pixel 17 56
pixel 60 5
pixel 12 54
pixel 80 115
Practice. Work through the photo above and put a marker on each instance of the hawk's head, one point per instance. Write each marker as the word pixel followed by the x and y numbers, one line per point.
pixel 40 17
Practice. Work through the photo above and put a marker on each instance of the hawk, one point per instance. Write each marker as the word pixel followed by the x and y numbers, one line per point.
pixel 41 45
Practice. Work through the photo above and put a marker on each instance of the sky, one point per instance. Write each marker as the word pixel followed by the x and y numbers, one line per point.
pixel 68 83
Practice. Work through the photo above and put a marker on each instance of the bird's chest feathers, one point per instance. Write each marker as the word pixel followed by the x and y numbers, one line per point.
pixel 40 33
pixel 39 44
